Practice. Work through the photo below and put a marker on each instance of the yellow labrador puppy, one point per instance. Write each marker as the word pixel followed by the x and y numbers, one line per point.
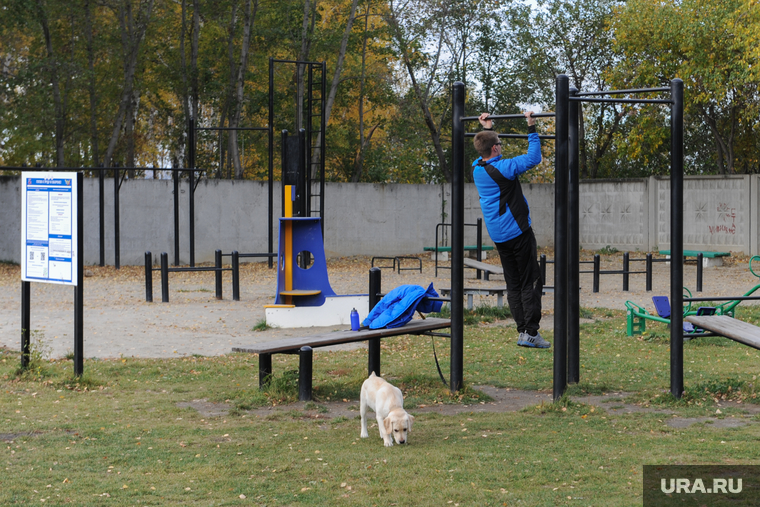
pixel 387 402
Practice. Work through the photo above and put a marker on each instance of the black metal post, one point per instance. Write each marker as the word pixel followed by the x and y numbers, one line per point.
pixel 148 277
pixel 597 267
pixel 191 191
pixel 79 287
pixel 573 242
pixel 479 227
pixel 305 356
pixel 218 273
pixel 560 235
pixel 542 265
pixel 235 276
pixel 626 269
pixel 375 289
pixel 26 290
pixel 116 242
pixel 676 238
pixel 457 239
pixel 175 181
pixel 265 369
pixel 164 277
pixel 102 215
pixel 270 132
pixel 700 265
pixel 649 272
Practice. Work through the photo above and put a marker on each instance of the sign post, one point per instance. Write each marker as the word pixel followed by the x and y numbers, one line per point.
pixel 52 246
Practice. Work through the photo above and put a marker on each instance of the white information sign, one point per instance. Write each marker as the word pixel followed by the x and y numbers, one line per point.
pixel 49 227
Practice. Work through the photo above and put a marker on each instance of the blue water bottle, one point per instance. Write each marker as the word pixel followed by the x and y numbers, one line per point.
pixel 354 320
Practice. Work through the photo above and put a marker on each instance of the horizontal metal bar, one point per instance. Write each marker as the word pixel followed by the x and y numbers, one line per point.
pixel 232 128
pixel 296 61
pixel 623 101
pixel 615 272
pixel 725 298
pixel 512 136
pixel 251 255
pixel 184 270
pixel 616 92
pixel 508 116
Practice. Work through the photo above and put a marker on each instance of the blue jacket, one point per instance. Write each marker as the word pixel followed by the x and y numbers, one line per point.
pixel 505 209
pixel 398 306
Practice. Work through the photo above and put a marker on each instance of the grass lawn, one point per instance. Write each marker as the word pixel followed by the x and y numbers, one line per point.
pixel 117 435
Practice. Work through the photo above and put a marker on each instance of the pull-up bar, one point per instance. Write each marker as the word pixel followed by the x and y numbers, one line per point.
pixel 508 116
pixel 620 92
pixel 623 101
pixel 512 136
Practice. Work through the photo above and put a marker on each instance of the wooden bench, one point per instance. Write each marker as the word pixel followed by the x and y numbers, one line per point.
pixel 487 269
pixel 303 347
pixel 471 250
pixel 708 258
pixel 729 327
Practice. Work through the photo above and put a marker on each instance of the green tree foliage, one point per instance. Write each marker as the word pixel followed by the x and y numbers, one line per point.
pixel 702 43
pixel 115 82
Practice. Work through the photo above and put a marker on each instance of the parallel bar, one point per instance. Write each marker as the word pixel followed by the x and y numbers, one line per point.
pixel 515 116
pixel 616 92
pixel 560 236
pixel 676 237
pixel 624 101
pixel 457 238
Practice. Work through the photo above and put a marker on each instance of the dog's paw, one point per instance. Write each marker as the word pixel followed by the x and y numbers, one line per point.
pixel 389 443
pixel 365 434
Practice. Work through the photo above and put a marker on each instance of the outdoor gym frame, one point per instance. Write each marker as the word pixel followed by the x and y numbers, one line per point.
pixel 457 224
pixel 567 230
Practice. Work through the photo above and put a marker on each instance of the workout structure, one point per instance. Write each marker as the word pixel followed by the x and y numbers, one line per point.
pixel 566 226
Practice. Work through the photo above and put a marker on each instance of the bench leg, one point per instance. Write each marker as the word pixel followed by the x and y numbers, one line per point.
pixel 304 373
pixel 499 300
pixel 373 357
pixel 469 301
pixel 265 369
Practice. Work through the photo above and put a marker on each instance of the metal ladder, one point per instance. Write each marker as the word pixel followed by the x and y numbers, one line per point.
pixel 315 142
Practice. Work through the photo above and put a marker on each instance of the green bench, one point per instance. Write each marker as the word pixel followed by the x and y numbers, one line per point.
pixel 708 258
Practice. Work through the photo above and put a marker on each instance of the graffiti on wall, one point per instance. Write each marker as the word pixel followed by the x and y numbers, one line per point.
pixel 726 221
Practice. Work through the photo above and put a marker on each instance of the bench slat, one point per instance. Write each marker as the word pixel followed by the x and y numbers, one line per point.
pixel 491 268
pixel 348 336
pixel 485 248
pixel 301 292
pixel 724 325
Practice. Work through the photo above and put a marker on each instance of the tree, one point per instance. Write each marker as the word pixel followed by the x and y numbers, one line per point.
pixel 702 43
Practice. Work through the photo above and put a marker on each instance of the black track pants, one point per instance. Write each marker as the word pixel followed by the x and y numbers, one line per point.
pixel 523 277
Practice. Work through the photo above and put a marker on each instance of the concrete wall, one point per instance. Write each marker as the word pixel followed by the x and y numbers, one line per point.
pixel 720 213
